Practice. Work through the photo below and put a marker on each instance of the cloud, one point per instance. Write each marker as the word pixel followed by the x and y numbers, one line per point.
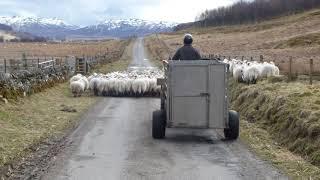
pixel 85 12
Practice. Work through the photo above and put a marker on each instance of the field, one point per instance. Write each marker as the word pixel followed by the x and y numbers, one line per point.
pixel 51 49
pixel 278 39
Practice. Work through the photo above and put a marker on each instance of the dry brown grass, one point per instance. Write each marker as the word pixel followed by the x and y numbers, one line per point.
pixel 259 39
pixel 263 143
pixel 279 115
pixel 32 119
pixel 50 49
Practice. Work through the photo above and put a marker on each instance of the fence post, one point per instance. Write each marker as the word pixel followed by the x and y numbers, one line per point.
pixel 242 58
pixel 38 63
pixel 311 71
pixel 290 68
pixel 251 58
pixel 261 58
pixel 229 58
pixel 5 66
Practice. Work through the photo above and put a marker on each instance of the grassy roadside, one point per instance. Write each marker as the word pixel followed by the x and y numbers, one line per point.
pixel 280 123
pixel 155 51
pixel 31 120
pixel 262 143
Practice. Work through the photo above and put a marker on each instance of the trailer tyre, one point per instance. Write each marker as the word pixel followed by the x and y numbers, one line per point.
pixel 232 132
pixel 159 124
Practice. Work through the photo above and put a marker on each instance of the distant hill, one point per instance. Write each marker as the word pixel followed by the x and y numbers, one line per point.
pixel 247 12
pixel 5 27
pixel 8 34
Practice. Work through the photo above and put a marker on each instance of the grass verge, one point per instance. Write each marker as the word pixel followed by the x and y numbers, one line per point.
pixel 280 122
pixel 260 140
pixel 156 51
pixel 29 121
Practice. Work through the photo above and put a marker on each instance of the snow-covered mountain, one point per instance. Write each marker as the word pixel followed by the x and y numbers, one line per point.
pixel 126 27
pixel 53 27
pixel 46 27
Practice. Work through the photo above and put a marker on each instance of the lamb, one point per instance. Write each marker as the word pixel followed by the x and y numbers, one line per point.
pixel 77 88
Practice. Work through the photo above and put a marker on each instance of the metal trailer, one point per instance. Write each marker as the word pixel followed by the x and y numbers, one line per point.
pixel 194 94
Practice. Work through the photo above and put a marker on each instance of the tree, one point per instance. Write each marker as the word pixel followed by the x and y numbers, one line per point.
pixel 254 11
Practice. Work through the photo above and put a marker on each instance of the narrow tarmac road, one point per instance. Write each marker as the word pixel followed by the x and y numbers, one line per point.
pixel 114 142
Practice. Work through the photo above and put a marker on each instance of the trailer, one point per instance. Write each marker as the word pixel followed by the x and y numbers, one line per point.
pixel 194 94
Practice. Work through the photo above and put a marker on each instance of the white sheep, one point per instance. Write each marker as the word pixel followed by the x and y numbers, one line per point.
pixel 267 70
pixel 93 85
pixel 76 78
pixel 121 87
pixel 86 82
pixel 250 74
pixel 126 83
pixel 77 88
pixel 238 73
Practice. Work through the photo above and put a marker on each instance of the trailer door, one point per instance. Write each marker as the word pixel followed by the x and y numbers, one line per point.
pixel 190 96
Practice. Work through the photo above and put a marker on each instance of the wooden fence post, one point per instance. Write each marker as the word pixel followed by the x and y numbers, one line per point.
pixel 5 66
pixel 261 58
pixel 311 71
pixel 290 68
pixel 242 58
pixel 251 58
pixel 229 58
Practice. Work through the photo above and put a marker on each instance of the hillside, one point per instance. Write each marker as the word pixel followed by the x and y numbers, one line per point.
pixel 276 40
pixel 6 33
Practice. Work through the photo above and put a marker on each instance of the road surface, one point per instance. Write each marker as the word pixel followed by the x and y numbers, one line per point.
pixel 114 142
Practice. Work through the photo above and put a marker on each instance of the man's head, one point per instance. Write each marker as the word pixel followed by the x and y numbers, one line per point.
pixel 187 39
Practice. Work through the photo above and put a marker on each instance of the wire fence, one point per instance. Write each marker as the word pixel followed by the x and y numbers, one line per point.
pixel 288 66
pixel 75 64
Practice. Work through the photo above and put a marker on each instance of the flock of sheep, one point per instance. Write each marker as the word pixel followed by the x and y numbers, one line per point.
pixel 127 83
pixel 135 83
pixel 249 72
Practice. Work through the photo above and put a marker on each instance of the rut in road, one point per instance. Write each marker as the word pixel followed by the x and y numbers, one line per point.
pixel 114 142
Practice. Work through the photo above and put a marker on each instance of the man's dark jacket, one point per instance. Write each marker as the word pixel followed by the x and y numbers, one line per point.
pixel 187 52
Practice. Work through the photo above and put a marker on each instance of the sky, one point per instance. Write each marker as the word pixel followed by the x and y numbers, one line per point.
pixel 87 12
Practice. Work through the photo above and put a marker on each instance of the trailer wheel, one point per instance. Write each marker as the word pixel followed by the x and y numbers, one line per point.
pixel 232 132
pixel 159 124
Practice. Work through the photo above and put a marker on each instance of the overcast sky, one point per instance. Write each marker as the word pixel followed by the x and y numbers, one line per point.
pixel 85 12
